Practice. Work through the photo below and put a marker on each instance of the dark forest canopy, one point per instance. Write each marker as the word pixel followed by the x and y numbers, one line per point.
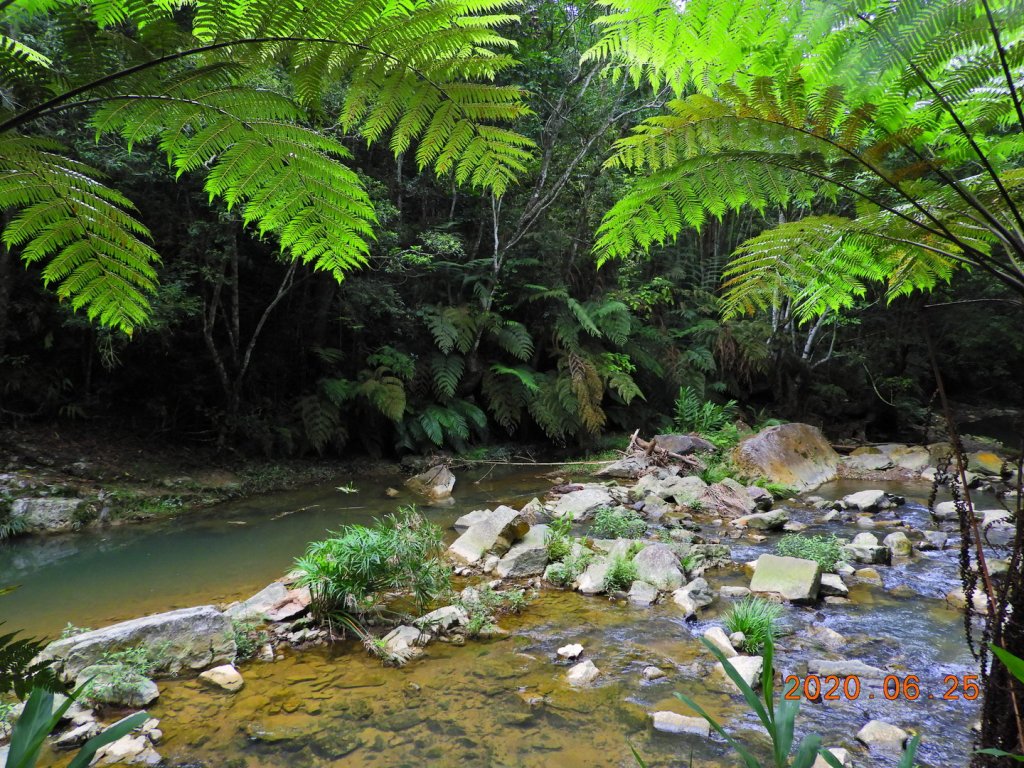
pixel 378 226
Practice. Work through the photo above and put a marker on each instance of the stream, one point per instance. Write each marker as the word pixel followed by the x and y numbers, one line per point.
pixel 489 703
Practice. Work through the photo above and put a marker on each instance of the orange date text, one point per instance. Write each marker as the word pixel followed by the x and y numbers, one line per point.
pixel 891 688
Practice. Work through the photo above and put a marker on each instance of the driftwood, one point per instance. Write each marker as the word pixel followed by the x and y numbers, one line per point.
pixel 650 450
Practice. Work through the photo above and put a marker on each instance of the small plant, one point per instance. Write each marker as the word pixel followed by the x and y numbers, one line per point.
pixel 718 469
pixel 756 618
pixel 478 624
pixel 124 670
pixel 249 637
pixel 563 574
pixel 826 551
pixel 620 575
pixel 10 526
pixel 778 490
pixel 612 523
pixel 70 630
pixel 558 538
pixel 347 488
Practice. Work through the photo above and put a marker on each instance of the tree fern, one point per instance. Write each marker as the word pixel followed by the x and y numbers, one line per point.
pixel 906 111
pixel 416 74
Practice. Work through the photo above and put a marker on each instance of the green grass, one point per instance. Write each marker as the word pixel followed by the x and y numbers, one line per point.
pixel 584 464
pixel 621 574
pixel 558 539
pixel 611 523
pixel 564 573
pixel 757 619
pixel 826 551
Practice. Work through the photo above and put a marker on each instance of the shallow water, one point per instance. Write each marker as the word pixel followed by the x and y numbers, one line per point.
pixel 494 703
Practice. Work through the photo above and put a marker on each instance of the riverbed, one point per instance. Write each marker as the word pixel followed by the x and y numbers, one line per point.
pixel 489 703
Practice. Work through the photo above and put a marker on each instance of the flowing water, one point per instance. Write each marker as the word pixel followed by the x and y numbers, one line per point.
pixel 488 703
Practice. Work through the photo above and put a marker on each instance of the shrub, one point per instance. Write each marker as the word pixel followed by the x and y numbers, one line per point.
pixel 350 571
pixel 612 523
pixel 564 573
pixel 703 417
pixel 125 669
pixel 621 574
pixel 249 637
pixel 756 618
pixel 826 551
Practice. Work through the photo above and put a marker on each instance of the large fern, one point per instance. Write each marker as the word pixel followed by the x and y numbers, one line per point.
pixel 908 114
pixel 231 89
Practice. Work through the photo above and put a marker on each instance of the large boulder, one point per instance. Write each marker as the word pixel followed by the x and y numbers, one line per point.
pixel 47 515
pixel 496 533
pixel 667 486
pixel 865 549
pixel 581 504
pixel 658 564
pixel 728 499
pixel 794 578
pixel 629 468
pixel 528 557
pixel 871 501
pixel 436 483
pixel 468 520
pixel 257 605
pixel 796 455
pixel 748 667
pixel 185 639
pixel 683 444
pixel 868 462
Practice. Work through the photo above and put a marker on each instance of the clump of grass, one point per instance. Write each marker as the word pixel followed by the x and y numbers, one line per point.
pixel 826 551
pixel 558 539
pixel 756 618
pixel 564 573
pixel 621 574
pixel 778 490
pixel 249 637
pixel 613 523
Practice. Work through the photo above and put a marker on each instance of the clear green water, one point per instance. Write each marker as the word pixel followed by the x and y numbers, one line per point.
pixel 496 703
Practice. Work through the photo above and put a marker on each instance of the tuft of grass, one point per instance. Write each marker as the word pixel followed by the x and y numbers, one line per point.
pixel 778 490
pixel 558 539
pixel 757 619
pixel 621 574
pixel 612 523
pixel 826 551
pixel 249 637
pixel 564 573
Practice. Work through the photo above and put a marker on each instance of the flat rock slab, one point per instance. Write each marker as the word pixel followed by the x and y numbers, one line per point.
pixel 671 722
pixel 658 564
pixel 528 557
pixel 258 604
pixel 845 668
pixel 794 578
pixel 494 534
pixel 187 639
pixel 581 504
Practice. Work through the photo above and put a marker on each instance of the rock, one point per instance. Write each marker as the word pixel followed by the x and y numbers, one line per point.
pixel 294 603
pixel 869 575
pixel 653 673
pixel 258 604
pixel 658 564
pixel 490 563
pixel 581 504
pixel 112 685
pixel 391 493
pixel 871 501
pixel 796 455
pixel 999 534
pixel 533 512
pixel 728 498
pixel 583 673
pixel 225 677
pixel 570 652
pixel 911 457
pixel 667 486
pixel 470 519
pixel 832 585
pixel 763 500
pixel 591 581
pixel 898 544
pixel 670 722
pixel 881 735
pixel 958 599
pixel 528 557
pixel 128 750
pixel 494 534
pixel 827 636
pixel 629 468
pixel 737 639
pixel 794 578
pixel 642 594
pixel 694 596
pixel 404 642
pixel 187 639
pixel 866 549
pixel 733 592
pixel 839 754
pixel 436 483
pixel 717 637
pixel 763 521
pixel 985 463
pixel 748 667
pixel 74 737
pixel 845 668
pixel 47 515
pixel 684 444
pixel 872 462
pixel 443 619
pixel 933 540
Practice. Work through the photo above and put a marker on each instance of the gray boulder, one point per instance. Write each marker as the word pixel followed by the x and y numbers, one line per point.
pixel 865 549
pixel 763 521
pixel 591 581
pixel 494 534
pixel 468 520
pixel 694 596
pixel 832 585
pixel 878 734
pixel 528 557
pixel 629 468
pixel 658 564
pixel 796 455
pixel 47 515
pixel 748 667
pixel 898 544
pixel 868 462
pixel 671 722
pixel 728 499
pixel 870 501
pixel 257 605
pixel 845 668
pixel 581 504
pixel 933 540
pixel 185 639
pixel 436 483
pixel 670 487
pixel 683 444
pixel 642 594
pixel 794 578
pixel 443 619
pixel 717 637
